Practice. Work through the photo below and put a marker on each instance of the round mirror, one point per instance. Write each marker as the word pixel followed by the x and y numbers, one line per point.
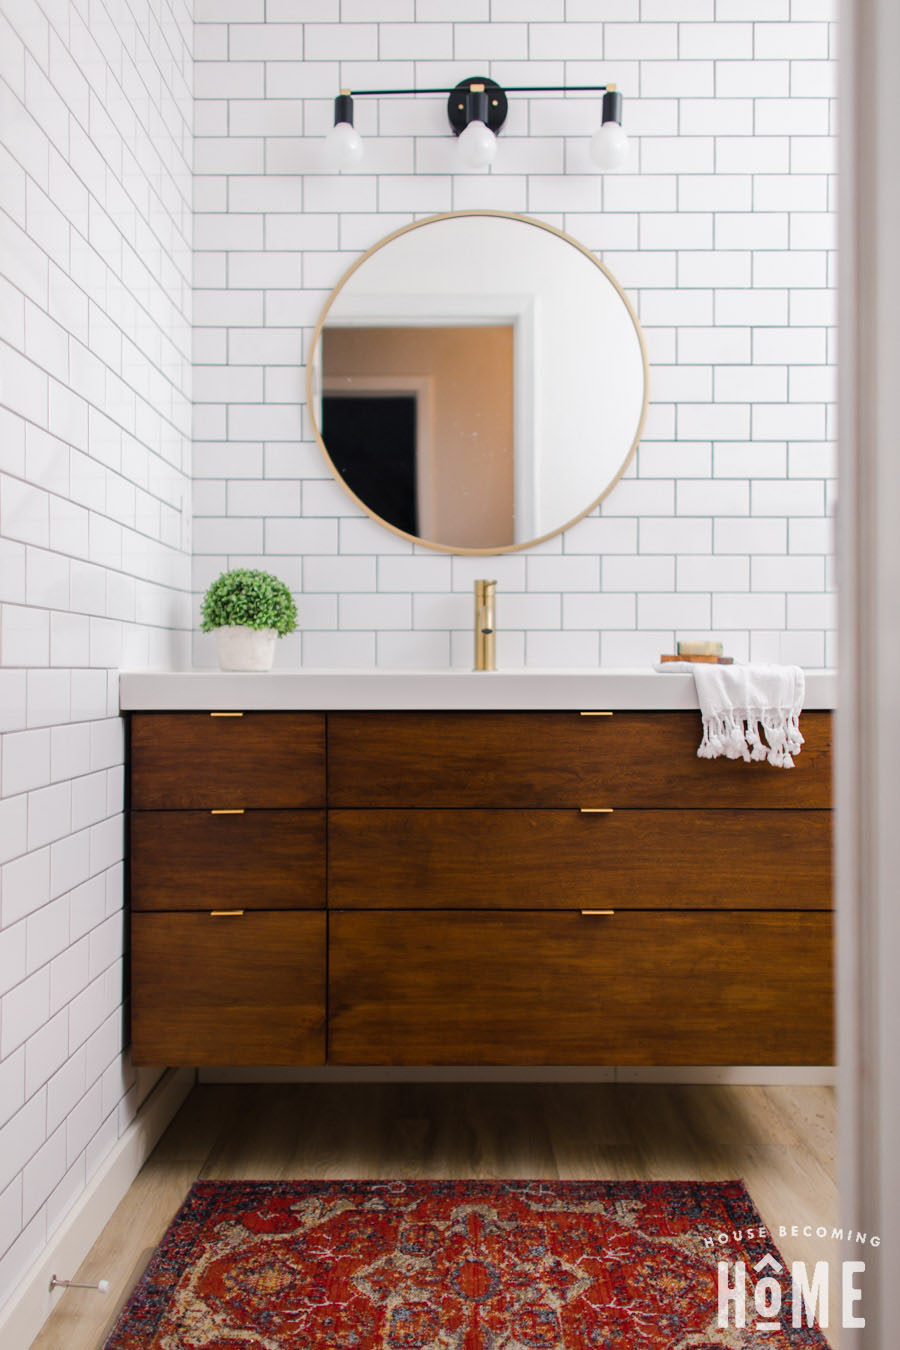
pixel 477 382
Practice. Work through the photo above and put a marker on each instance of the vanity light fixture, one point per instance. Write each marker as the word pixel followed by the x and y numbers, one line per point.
pixel 477 109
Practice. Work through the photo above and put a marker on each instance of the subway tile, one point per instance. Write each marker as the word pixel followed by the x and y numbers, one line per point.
pixel 268 41
pixel 752 459
pixel 714 346
pixel 673 611
pixel 729 497
pixel 638 572
pixel 491 41
pixel 678 230
pixel 769 306
pixel 724 421
pixel 566 41
pixel 646 42
pixel 717 268
pixel 751 230
pixel 416 651
pixel 814 78
pixel 339 650
pixel 788 421
pixel 711 41
pixel 679 79
pixel 716 116
pixel 796 41
pixel 797 268
pixel 716 192
pixel 565 573
pixel 754 79
pixel 790 192
pixel 751 384
pixel 677 154
pixel 796 573
pixel 787 498
pixel 601 611
pixel 25 1008
pixel 712 572
pixel 674 459
pixel 13 822
pixel 416 573
pixel 341 42
pixel 749 611
pixel 669 534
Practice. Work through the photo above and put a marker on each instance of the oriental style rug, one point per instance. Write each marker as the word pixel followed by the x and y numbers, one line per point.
pixel 458 1265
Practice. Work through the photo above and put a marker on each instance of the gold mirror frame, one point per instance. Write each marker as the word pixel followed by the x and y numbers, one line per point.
pixel 316 338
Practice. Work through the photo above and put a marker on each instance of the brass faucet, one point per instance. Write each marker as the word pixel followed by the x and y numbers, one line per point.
pixel 484 625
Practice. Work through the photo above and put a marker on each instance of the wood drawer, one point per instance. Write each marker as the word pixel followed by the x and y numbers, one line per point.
pixel 204 760
pixel 493 859
pixel 248 990
pixel 183 860
pixel 538 759
pixel 560 988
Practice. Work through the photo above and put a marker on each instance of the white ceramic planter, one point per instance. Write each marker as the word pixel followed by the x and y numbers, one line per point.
pixel 241 648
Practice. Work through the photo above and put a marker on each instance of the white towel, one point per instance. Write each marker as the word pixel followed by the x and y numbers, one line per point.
pixel 736 700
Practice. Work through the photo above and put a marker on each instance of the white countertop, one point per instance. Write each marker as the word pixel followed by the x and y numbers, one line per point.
pixel 609 688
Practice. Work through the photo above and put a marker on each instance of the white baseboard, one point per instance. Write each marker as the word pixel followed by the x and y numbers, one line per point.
pixel 31 1303
pixel 771 1074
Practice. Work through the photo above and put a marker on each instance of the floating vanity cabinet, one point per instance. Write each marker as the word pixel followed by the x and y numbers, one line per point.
pixel 533 888
pixel 228 924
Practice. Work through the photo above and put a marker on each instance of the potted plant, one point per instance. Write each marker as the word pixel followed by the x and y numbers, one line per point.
pixel 247 610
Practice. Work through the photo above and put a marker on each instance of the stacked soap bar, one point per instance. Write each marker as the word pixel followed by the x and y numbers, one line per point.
pixel 709 653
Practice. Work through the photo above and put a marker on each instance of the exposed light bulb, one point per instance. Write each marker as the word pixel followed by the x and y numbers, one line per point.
pixel 609 146
pixel 343 146
pixel 477 145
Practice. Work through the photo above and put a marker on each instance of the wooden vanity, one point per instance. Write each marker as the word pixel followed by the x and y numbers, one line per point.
pixel 475 887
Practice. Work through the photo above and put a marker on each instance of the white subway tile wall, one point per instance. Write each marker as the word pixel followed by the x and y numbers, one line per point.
pixel 95 493
pixel 721 229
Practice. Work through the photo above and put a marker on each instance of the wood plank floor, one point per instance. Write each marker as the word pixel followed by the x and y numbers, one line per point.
pixel 780 1140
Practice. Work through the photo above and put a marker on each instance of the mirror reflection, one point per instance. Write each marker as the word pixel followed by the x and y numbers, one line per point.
pixel 478 382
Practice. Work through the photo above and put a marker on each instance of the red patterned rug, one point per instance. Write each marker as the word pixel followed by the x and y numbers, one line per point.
pixel 454 1265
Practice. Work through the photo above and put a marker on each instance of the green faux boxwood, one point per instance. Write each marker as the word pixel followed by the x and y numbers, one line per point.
pixel 253 599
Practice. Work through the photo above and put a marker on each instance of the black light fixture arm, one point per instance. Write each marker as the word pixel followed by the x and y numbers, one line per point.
pixel 510 89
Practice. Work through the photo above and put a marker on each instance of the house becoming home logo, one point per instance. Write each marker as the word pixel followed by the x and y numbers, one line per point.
pixel 808 1294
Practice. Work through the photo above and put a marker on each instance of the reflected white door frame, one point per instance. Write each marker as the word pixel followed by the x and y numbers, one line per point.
pixel 474 311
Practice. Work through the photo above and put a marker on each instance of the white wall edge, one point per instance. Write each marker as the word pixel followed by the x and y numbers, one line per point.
pixel 31 1302
pixel 767 1074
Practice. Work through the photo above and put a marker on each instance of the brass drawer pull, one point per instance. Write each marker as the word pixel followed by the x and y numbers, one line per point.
pixel 227 811
pixel 228 714
pixel 588 912
pixel 225 913
pixel 595 714
pixel 596 810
